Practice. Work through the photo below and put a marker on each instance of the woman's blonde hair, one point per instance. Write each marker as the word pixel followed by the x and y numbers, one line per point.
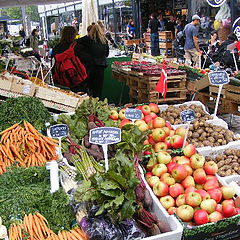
pixel 95 33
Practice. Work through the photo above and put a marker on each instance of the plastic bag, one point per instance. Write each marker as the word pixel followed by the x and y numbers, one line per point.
pixel 223 13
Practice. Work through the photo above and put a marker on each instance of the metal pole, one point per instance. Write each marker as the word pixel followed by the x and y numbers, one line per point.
pixel 23 8
pixel 98 6
pixel 232 12
pixel 114 20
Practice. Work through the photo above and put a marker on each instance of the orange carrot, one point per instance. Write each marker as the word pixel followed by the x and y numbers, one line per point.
pixel 9 129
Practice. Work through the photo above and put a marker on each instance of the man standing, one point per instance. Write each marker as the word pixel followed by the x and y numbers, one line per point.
pixel 153 27
pixel 162 23
pixel 191 47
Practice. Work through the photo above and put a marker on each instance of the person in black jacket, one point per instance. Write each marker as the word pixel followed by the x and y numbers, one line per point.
pixel 153 28
pixel 94 51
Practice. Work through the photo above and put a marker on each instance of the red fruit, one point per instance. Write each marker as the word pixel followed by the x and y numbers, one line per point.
pixel 177 141
pixel 153 115
pixel 215 216
pixel 167 124
pixel 216 194
pixel 158 122
pixel 229 211
pixel 183 160
pixel 199 176
pixel 189 169
pixel 204 195
pixel 175 159
pixel 154 108
pixel 125 122
pixel 151 141
pixel 238 210
pixel 211 183
pixel 210 167
pixel 200 217
pixel 176 189
pixel 151 164
pixel 158 135
pixel 190 189
pixel 168 141
pixel 219 208
pixel 228 202
pixel 147 153
pixel 172 210
pixel 170 166
pixel 179 172
pixel 148 118
pixel 148 175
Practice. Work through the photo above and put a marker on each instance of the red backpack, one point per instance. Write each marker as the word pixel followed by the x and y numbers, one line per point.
pixel 69 71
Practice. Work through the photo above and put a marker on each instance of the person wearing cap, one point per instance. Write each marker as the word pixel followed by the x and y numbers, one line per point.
pixel 191 47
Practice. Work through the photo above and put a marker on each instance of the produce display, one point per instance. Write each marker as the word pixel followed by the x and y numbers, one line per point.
pixel 228 162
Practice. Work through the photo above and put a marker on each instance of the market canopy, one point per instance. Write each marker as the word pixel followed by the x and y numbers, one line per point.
pixel 12 3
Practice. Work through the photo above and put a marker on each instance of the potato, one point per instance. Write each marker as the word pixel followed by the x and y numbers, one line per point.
pixel 228 172
pixel 220 164
pixel 195 135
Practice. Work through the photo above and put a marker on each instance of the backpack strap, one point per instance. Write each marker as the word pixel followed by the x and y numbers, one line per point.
pixel 73 45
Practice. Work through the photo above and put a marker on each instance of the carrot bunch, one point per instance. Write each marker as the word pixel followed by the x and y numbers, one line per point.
pixel 36 228
pixel 25 146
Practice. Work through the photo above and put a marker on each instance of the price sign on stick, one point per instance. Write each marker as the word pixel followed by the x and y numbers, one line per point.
pixel 218 78
pixel 133 114
pixel 187 116
pixel 105 136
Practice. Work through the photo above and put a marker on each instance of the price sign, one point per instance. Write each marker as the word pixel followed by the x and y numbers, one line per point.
pixel 59 131
pixel 133 114
pixel 218 78
pixel 216 3
pixel 105 136
pixel 188 116
pixel 236 27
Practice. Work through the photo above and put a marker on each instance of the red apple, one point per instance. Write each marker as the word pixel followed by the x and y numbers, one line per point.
pixel 183 160
pixel 229 211
pixel 193 199
pixel 176 189
pixel 139 108
pixel 188 182
pixel 153 115
pixel 190 189
pixel 158 135
pixel 164 157
pixel 160 189
pixel 153 180
pixel 228 202
pixel 170 166
pixel 175 159
pixel 189 150
pixel 204 195
pixel 181 200
pixel 151 141
pixel 139 122
pixel 154 107
pixel 113 115
pixel 199 186
pixel 201 217
pixel 151 164
pixel 172 210
pixel 167 141
pixel 177 141
pixel 143 127
pixel 148 118
pixel 216 194
pixel 228 192
pixel 181 131
pixel 185 213
pixel 211 177
pixel 121 114
pixel 172 133
pixel 238 210
pixel 148 175
pixel 215 216
pixel 160 146
pixel 197 161
pixel 209 205
pixel 179 172
pixel 146 142
pixel 150 124
pixel 168 125
pixel 166 130
pixel 168 179
pixel 219 208
pixel 167 202
pixel 159 169
pixel 158 122
pixel 189 169
pixel 211 167
pixel 125 122
pixel 146 110
pixel 211 183
pixel 199 176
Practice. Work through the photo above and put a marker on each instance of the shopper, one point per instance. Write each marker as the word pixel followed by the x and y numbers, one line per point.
pixel 23 35
pixel 130 30
pixel 34 43
pixel 153 28
pixel 94 48
pixel 184 21
pixel 68 35
pixel 171 24
pixel 191 47
pixel 162 23
pixel 178 28
pixel 75 23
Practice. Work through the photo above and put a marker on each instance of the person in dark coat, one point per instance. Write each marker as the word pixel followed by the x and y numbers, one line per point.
pixel 94 51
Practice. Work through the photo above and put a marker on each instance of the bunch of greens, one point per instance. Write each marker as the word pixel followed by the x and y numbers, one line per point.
pixel 24 108
pixel 114 190
pixel 27 190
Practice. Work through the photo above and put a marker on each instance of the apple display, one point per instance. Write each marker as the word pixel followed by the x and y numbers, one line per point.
pixel 170 166
pixel 189 150
pixel 121 114
pixel 175 190
pixel 209 205
pixel 185 213
pixel 199 176
pixel 210 167
pixel 164 157
pixel 229 211
pixel 160 146
pixel 211 183
pixel 158 135
pixel 188 182
pixel 125 122
pixel 183 160
pixel 177 141
pixel 197 161
pixel 153 180
pixel 180 200
pixel 172 210
pixel 160 189
pixel 201 217
pixel 215 216
pixel 146 110
pixel 204 195
pixel 158 122
pixel 159 169
pixel 147 118
pixel 179 172
pixel 188 169
pixel 228 192
pixel 167 141
pixel 216 194
pixel 154 108
pixel 181 131
pixel 167 202
pixel 168 179
pixel 153 115
pixel 113 115
pixel 193 199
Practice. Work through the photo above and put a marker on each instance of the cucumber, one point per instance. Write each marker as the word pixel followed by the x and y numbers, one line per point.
pixel 234 81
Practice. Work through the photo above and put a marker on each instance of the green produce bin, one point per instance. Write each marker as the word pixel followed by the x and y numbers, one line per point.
pixel 112 88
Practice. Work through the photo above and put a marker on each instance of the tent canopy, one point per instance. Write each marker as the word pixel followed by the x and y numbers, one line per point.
pixel 13 3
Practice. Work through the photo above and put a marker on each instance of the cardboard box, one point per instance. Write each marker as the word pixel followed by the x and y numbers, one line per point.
pixel 65 99
pixel 25 89
pixel 202 83
pixel 5 84
pixel 45 93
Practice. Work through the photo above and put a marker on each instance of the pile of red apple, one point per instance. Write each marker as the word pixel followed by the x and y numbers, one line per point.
pixel 186 186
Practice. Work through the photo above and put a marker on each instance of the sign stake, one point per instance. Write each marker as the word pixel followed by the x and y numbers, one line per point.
pixel 105 152
pixel 218 98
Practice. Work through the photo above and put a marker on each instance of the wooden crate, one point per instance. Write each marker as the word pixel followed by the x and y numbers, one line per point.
pixel 233 93
pixel 213 90
pixel 115 74
pixel 165 35
pixel 165 45
pixel 168 52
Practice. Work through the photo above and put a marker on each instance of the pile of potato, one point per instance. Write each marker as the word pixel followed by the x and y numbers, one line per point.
pixel 172 114
pixel 204 134
pixel 228 162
